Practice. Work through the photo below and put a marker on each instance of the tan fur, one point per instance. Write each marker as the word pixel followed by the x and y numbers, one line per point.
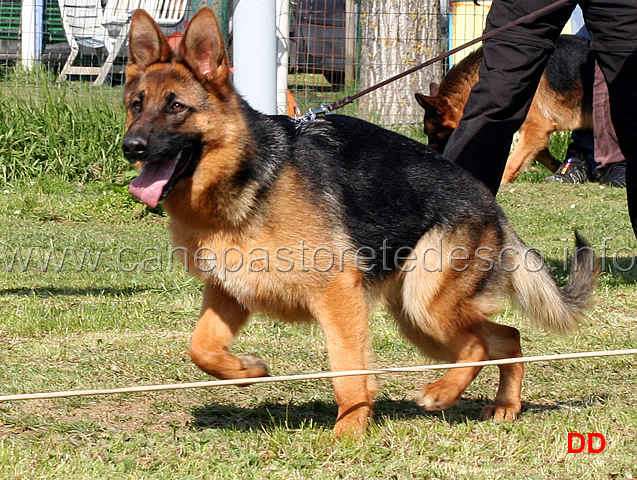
pixel 435 297
pixel 303 240
pixel 224 234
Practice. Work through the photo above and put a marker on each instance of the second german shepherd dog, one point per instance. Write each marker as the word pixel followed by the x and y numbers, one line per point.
pixel 563 101
pixel 318 220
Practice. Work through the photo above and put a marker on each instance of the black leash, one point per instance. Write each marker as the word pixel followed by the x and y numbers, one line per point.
pixel 330 107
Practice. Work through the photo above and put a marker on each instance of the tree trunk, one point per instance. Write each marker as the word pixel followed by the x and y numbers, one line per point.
pixel 397 35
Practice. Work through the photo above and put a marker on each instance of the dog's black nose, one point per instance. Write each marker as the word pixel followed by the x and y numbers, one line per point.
pixel 134 148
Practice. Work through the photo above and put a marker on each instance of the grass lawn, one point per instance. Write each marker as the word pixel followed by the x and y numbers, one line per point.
pixel 92 298
pixel 125 316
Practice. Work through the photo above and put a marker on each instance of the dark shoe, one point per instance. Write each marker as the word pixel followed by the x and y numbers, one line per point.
pixel 614 175
pixel 573 170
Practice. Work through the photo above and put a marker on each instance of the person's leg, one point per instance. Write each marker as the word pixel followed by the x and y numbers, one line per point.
pixel 613 28
pixel 606 144
pixel 612 164
pixel 509 74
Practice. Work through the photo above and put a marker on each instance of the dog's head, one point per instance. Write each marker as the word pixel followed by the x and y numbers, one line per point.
pixel 439 121
pixel 175 102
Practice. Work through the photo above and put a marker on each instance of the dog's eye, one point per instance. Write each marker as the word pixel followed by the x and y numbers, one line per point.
pixel 136 106
pixel 177 107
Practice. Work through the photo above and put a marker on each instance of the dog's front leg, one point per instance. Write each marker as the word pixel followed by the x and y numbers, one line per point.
pixel 343 318
pixel 221 319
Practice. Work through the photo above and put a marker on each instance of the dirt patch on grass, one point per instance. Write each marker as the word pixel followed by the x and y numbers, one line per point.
pixel 131 414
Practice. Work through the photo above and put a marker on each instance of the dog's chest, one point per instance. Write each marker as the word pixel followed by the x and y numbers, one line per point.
pixel 268 274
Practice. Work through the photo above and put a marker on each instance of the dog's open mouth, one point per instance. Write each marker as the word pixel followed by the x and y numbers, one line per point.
pixel 157 179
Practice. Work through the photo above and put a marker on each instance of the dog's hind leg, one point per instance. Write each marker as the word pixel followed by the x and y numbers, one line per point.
pixel 443 308
pixel 443 304
pixel 446 327
pixel 443 393
pixel 221 319
pixel 501 341
pixel 342 312
pixel 534 137
pixel 466 346
pixel 504 342
pixel 486 340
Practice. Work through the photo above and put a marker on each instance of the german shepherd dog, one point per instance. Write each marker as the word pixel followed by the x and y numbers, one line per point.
pixel 563 101
pixel 315 221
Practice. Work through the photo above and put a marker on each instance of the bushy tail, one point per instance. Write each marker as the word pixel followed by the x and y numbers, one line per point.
pixel 538 296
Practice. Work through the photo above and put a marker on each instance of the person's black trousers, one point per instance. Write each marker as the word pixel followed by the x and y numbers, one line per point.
pixel 513 64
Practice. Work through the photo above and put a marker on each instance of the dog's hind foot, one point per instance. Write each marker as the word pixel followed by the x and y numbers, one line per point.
pixel 437 397
pixel 444 393
pixel 501 413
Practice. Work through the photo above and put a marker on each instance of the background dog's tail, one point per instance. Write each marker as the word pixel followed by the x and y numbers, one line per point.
pixel 534 290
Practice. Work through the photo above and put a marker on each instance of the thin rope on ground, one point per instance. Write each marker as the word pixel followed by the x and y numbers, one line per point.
pixel 314 376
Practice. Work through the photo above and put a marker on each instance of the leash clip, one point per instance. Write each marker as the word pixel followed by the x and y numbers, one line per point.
pixel 311 115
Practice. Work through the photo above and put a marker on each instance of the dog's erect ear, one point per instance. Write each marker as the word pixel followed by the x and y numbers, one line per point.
pixel 146 43
pixel 433 88
pixel 202 48
pixel 430 104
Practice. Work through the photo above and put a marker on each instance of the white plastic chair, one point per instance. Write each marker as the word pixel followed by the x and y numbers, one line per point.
pixel 117 13
pixel 88 28
pixel 116 20
pixel 85 33
pixel 169 12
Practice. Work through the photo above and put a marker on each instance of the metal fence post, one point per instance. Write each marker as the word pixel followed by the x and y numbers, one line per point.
pixel 254 52
pixel 283 47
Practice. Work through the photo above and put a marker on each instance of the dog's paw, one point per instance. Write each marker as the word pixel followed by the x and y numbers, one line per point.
pixel 253 366
pixel 501 413
pixel 433 398
pixel 353 424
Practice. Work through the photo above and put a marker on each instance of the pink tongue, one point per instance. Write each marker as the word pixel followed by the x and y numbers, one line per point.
pixel 149 185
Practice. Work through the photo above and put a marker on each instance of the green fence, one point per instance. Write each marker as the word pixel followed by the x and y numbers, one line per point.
pixel 53 29
pixel 10 21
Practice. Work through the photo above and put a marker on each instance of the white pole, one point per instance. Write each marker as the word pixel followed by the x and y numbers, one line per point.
pixel 350 42
pixel 254 53
pixel 39 28
pixel 28 34
pixel 283 44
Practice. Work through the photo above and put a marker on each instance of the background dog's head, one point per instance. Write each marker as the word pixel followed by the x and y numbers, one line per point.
pixel 439 119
